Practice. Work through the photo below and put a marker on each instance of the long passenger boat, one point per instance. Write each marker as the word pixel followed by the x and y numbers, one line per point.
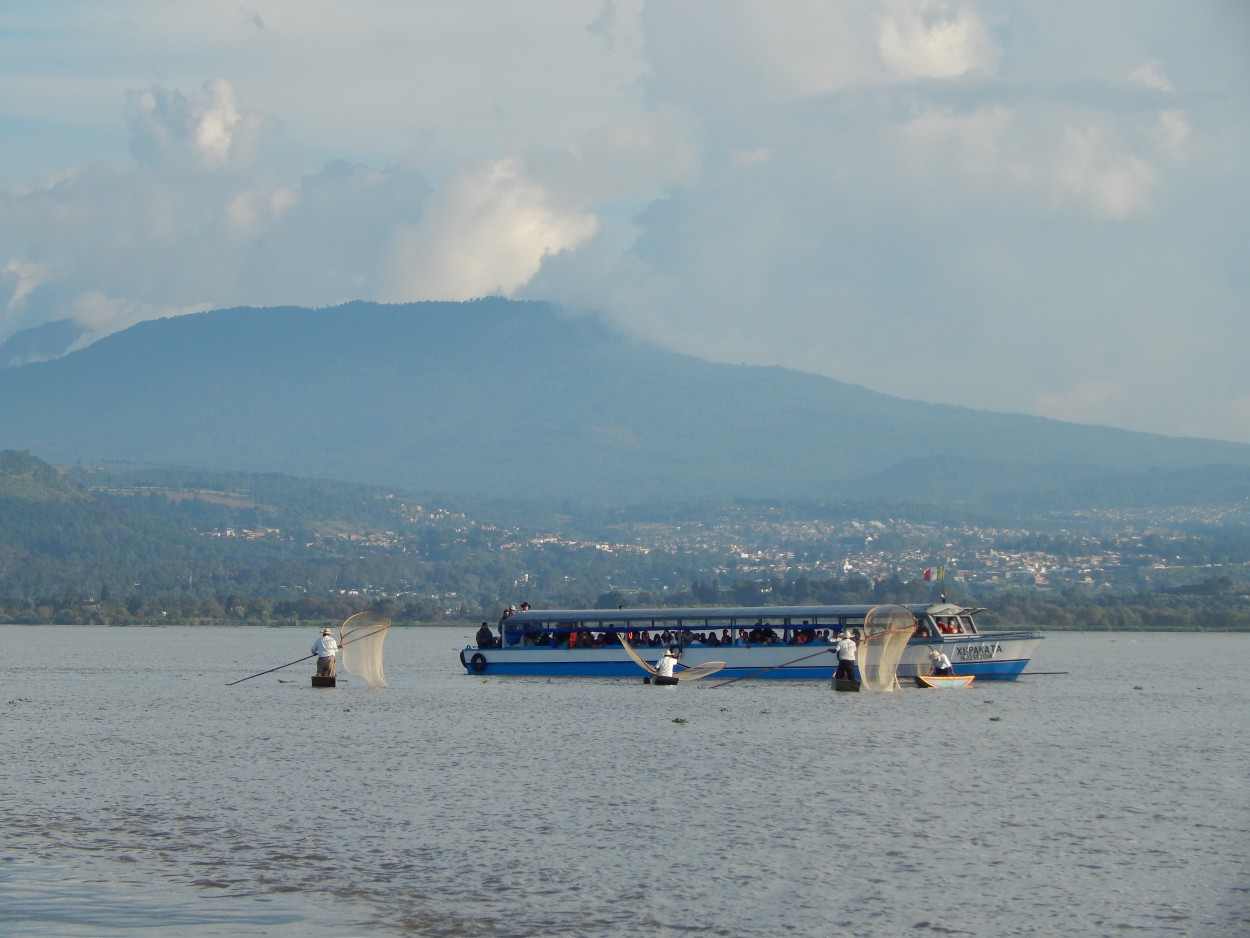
pixel 773 642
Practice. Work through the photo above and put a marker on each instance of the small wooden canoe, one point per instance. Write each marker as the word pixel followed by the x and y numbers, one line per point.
pixel 944 680
pixel 319 681
pixel 845 684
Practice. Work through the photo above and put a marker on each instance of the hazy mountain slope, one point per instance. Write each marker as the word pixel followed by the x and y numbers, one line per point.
pixel 503 398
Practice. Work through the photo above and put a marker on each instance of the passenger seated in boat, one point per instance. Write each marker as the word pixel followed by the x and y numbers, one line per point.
pixel 711 639
pixel 725 637
pixel 485 637
pixel 599 641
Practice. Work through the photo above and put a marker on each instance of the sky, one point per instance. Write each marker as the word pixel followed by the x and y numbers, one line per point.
pixel 1025 206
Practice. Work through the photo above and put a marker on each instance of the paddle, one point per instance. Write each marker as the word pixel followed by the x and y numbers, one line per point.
pixel 784 664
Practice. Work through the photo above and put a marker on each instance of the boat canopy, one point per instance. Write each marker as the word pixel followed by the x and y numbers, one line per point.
pixel 721 616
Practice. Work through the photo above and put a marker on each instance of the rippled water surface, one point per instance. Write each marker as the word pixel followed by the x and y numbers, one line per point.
pixel 141 792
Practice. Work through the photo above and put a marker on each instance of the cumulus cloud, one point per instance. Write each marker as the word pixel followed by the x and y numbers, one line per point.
pixel 205 130
pixel 1049 198
pixel 487 231
pixel 934 39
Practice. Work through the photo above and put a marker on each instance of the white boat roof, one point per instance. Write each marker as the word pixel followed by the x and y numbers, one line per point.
pixel 725 613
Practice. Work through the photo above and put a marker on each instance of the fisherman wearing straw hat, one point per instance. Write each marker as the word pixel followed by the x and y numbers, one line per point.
pixel 325 648
pixel 942 666
pixel 664 667
pixel 846 648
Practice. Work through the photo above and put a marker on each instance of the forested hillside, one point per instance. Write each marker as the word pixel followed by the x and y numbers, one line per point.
pixel 128 544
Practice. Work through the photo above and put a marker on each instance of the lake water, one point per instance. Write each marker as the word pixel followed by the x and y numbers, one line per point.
pixel 141 792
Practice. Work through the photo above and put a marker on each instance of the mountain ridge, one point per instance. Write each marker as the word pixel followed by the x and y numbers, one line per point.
pixel 502 398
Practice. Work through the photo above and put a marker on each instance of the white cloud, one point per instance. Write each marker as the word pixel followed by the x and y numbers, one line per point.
pixel 934 39
pixel 170 127
pixel 1150 75
pixel 27 275
pixel 1040 194
pixel 1112 182
pixel 487 231
pixel 101 315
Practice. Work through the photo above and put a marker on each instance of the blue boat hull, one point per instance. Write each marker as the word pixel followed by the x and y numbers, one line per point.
pixel 989 657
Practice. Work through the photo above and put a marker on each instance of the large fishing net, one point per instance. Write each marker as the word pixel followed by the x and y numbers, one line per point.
pixel 360 645
pixel 696 671
pixel 685 674
pixel 886 631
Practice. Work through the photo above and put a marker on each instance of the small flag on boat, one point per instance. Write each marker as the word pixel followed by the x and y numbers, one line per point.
pixel 931 574
pixel 928 574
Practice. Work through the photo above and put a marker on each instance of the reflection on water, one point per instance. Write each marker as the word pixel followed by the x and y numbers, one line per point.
pixel 144 792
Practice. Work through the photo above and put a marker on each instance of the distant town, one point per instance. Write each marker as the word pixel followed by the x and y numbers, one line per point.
pixel 1107 551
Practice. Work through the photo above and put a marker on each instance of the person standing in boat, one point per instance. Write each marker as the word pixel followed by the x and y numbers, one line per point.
pixel 507 636
pixel 942 666
pixel 664 667
pixel 846 656
pixel 325 648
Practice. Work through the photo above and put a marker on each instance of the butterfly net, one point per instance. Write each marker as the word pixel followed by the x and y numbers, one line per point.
pixel 886 632
pixel 361 646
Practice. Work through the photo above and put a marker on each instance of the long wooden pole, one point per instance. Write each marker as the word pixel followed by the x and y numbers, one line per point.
pixel 271 670
pixel 296 661
pixel 784 664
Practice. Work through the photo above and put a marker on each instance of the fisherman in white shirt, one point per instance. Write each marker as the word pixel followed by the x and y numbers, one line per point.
pixel 941 664
pixel 846 657
pixel 325 648
pixel 664 667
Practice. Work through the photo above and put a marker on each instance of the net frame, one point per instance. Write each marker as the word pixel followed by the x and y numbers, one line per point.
pixel 886 631
pixel 360 644
pixel 696 671
pixel 650 669
pixel 693 673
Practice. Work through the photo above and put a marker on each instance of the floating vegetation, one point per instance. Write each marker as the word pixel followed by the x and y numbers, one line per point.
pixel 996 719
pixel 680 720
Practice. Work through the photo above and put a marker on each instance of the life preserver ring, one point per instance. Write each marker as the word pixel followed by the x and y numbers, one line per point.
pixel 478 663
